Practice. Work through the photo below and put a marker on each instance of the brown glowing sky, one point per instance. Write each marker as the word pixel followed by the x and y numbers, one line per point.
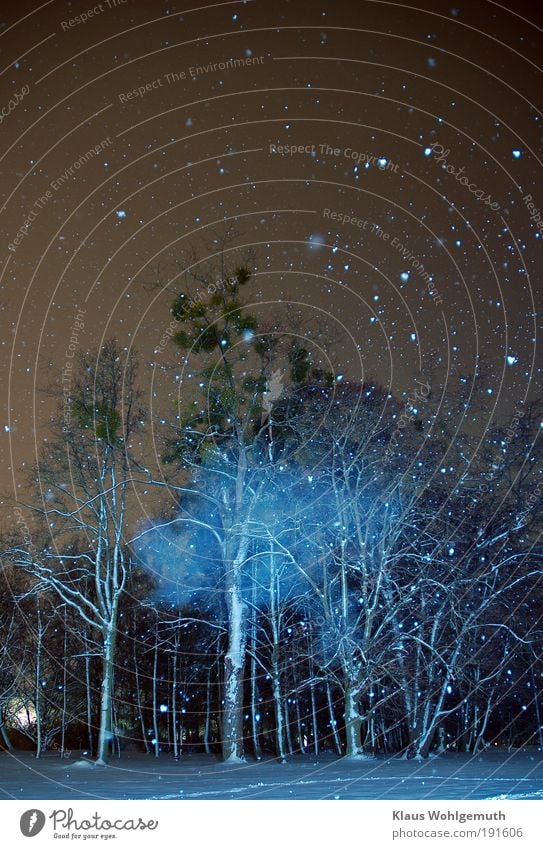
pixel 380 78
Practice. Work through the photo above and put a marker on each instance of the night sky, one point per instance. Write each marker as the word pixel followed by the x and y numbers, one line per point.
pixel 132 132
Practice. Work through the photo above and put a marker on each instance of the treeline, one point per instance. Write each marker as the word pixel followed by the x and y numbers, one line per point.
pixel 331 569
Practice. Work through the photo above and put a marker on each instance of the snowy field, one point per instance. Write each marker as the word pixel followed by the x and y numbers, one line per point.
pixel 491 775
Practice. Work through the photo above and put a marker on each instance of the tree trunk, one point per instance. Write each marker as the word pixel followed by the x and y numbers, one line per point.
pixel 232 718
pixel 106 696
pixel 333 723
pixel 139 702
pixel 314 722
pixel 174 703
pixel 115 742
pixel 39 635
pixel 64 694
pixel 207 747
pixel 537 712
pixel 482 728
pixel 183 727
pixel 288 727
pixel 432 714
pixel 353 724
pixel 301 741
pixel 423 735
pixel 89 694
pixel 255 717
pixel 155 720
pixel 278 709
pixel 3 731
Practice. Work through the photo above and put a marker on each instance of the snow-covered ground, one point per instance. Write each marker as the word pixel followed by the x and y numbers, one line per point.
pixel 491 775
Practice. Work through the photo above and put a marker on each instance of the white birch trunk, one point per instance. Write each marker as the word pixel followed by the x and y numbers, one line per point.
pixel 278 708
pixel 106 696
pixel 38 699
pixel 353 724
pixel 232 720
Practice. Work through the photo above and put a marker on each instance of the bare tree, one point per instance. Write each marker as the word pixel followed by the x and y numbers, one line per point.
pixel 86 479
